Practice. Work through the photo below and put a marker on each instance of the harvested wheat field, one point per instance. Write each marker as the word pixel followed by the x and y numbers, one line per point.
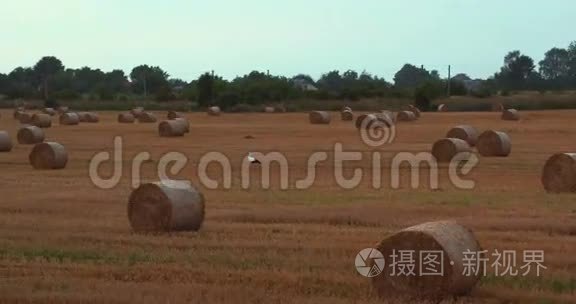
pixel 64 240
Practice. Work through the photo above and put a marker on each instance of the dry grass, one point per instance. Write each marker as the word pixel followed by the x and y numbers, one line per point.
pixel 64 240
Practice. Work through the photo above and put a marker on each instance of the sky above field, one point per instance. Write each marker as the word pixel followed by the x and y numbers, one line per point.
pixel 189 37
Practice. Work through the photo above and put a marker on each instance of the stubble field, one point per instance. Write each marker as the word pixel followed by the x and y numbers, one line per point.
pixel 62 239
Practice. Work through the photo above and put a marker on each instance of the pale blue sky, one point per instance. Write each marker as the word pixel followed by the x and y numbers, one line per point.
pixel 189 37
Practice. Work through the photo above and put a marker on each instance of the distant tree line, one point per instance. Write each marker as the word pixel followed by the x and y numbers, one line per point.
pixel 50 80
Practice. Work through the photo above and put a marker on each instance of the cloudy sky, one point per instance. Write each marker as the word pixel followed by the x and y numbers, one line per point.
pixel 188 37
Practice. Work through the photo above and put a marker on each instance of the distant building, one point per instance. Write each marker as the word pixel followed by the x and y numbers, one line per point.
pixel 304 85
pixel 472 85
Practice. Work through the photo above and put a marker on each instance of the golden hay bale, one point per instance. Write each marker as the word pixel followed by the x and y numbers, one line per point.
pixel 445 149
pixel 172 128
pixel 146 117
pixel 406 116
pixel 494 143
pixel 41 120
pixel 414 110
pixel 30 135
pixel 25 117
pixel 450 241
pixel 391 115
pixel 319 117
pixel 126 118
pixel 5 142
pixel 48 156
pixel 89 117
pixel 69 119
pixel 559 174
pixel 347 115
pixel 214 111
pixel 63 110
pixel 136 112
pixel 269 109
pixel 497 107
pixel 464 132
pixel 17 113
pixel 166 206
pixel 186 124
pixel 49 111
pixel 442 108
pixel 510 114
pixel 373 120
pixel 173 115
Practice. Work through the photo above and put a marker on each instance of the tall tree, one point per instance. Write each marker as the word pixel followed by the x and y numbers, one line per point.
pixel 555 64
pixel 410 76
pixel 515 72
pixel 46 68
pixel 148 79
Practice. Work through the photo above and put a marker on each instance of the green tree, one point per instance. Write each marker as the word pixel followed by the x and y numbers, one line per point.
pixel 148 79
pixel 410 76
pixel 46 68
pixel 555 64
pixel 516 71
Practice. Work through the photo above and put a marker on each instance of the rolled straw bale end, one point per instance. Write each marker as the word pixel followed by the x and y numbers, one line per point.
pixel 166 206
pixel 494 144
pixel 464 132
pixel 30 135
pixel 444 150
pixel 559 173
pixel 48 156
pixel 319 118
pixel 450 242
pixel 5 142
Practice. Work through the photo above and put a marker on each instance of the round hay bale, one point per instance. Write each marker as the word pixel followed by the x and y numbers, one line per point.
pixel 63 110
pixel 347 109
pixel 391 115
pixel 88 117
pixel 173 115
pixel 494 143
pixel 214 111
pixel 464 132
pixel 442 108
pixel 146 117
pixel 445 149
pixel 510 114
pixel 559 174
pixel 48 156
pixel 319 118
pixel 373 120
pixel 497 107
pixel 25 118
pixel 166 206
pixel 30 135
pixel 171 128
pixel 347 115
pixel 452 240
pixel 41 120
pixel 18 112
pixel 136 112
pixel 406 116
pixel 414 110
pixel 69 119
pixel 186 124
pixel 269 110
pixel 126 118
pixel 49 111
pixel 5 142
